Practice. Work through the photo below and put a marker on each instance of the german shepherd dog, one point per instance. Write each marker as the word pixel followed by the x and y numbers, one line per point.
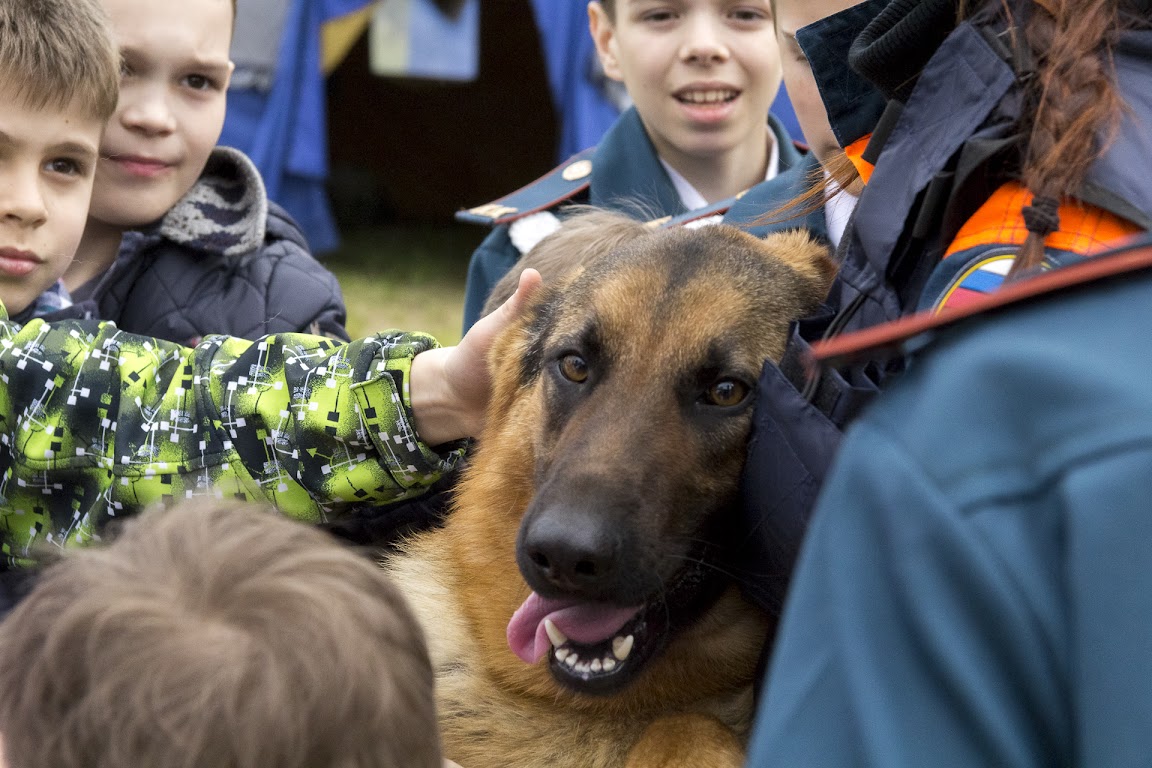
pixel 575 601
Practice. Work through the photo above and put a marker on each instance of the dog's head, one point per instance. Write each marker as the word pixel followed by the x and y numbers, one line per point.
pixel 615 443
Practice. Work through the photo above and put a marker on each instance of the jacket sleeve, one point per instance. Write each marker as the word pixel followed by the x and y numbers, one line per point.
pixel 908 639
pixel 95 423
pixel 789 451
pixel 795 436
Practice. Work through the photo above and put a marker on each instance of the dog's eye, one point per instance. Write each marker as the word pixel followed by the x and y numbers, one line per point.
pixel 574 368
pixel 726 393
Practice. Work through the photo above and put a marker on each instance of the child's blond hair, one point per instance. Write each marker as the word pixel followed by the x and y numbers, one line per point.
pixel 215 634
pixel 56 53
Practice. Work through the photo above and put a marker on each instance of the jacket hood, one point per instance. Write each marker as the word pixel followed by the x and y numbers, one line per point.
pixel 226 211
pixel 895 46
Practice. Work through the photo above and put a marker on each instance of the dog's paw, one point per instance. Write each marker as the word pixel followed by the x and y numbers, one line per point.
pixel 686 741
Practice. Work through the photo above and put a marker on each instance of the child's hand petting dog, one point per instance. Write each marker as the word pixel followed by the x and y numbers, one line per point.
pixel 450 386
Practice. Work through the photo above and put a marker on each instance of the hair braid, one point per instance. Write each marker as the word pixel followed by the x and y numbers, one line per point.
pixel 1074 108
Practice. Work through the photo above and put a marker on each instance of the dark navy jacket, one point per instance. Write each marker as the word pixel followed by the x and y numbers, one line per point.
pixel 796 430
pixel 224 260
pixel 974 588
pixel 621 173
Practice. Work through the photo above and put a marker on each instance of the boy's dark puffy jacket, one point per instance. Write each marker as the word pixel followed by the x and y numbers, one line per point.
pixel 224 259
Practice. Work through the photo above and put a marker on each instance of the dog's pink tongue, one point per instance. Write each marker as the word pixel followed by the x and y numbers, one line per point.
pixel 584 623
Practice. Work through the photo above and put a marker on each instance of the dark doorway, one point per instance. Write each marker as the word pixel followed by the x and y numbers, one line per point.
pixel 415 151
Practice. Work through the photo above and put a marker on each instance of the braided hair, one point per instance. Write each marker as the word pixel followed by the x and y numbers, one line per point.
pixel 1072 108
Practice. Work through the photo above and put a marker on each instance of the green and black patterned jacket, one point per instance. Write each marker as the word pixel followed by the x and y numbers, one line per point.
pixel 96 423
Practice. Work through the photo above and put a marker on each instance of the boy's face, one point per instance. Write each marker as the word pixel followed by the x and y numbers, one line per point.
pixel 47 165
pixel 171 108
pixel 702 73
pixel 791 15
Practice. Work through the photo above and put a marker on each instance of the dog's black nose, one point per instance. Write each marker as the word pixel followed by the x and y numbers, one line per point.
pixel 571 553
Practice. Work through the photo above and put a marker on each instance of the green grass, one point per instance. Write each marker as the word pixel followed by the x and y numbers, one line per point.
pixel 407 277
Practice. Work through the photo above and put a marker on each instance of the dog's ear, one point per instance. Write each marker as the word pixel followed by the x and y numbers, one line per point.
pixel 809 258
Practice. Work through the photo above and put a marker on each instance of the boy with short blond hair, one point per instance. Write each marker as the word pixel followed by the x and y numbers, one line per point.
pixel 96 424
pixel 47 62
pixel 216 634
pixel 54 58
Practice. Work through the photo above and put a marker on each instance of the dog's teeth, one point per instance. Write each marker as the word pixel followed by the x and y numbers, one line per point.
pixel 582 667
pixel 622 646
pixel 554 634
pixel 561 654
pixel 596 665
pixel 609 664
pixel 571 660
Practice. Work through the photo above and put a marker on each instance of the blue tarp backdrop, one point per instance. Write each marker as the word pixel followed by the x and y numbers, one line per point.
pixel 284 129
pixel 277 108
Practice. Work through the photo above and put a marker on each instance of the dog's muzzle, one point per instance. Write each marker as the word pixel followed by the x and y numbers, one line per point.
pixel 595 612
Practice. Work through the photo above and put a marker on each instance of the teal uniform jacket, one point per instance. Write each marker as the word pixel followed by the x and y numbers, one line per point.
pixel 621 173
pixel 975 588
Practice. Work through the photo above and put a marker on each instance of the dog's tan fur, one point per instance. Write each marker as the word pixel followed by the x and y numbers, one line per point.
pixel 692 704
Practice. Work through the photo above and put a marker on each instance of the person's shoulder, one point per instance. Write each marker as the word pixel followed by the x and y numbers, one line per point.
pixel 1094 284
pixel 284 261
pixel 1045 375
pixel 780 203
pixel 562 184
pixel 281 226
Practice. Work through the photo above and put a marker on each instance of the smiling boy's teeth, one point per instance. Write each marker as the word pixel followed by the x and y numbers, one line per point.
pixel 622 646
pixel 557 637
pixel 707 97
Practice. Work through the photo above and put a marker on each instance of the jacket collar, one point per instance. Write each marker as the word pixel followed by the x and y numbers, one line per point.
pixel 790 155
pixel 225 212
pixel 626 167
pixel 853 104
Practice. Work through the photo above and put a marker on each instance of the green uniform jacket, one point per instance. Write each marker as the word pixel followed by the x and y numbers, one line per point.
pixel 96 423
